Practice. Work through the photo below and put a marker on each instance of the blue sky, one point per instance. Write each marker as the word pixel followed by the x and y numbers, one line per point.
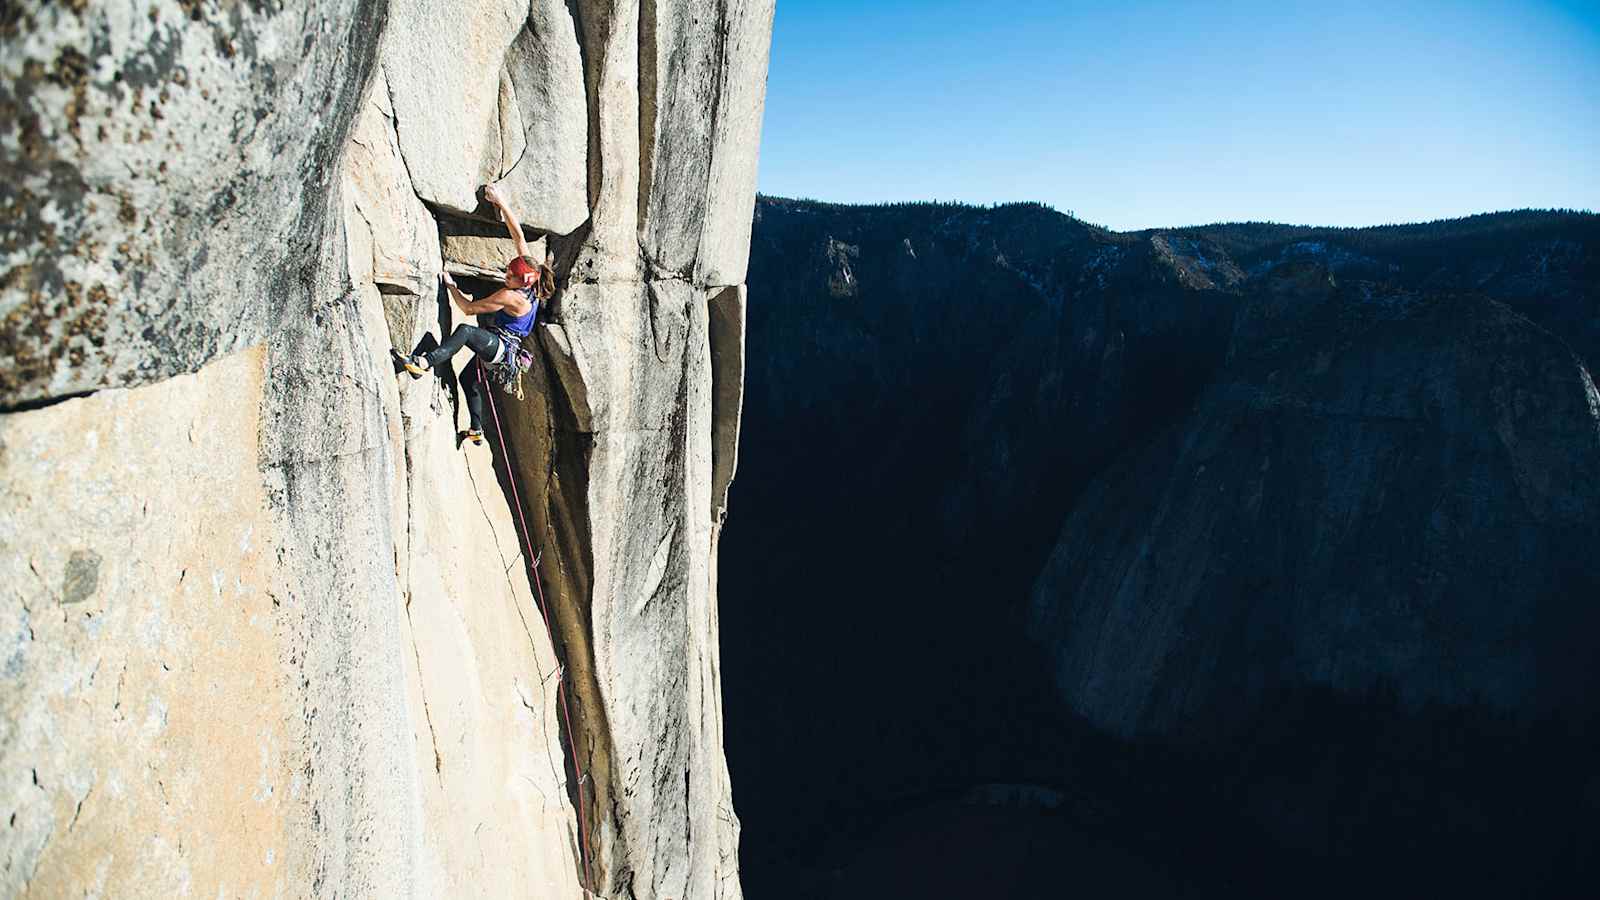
pixel 1139 113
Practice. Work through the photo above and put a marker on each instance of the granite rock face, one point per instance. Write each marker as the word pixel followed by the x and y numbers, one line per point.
pixel 491 92
pixel 272 629
pixel 697 170
pixel 168 178
pixel 1385 488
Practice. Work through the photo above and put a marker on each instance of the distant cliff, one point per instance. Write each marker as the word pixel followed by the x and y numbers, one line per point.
pixel 1224 531
pixel 270 630
pixel 1382 488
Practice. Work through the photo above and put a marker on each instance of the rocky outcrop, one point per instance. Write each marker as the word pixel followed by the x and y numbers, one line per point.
pixel 490 92
pixel 272 629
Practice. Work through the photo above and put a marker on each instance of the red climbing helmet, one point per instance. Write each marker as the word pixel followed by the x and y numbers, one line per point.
pixel 521 267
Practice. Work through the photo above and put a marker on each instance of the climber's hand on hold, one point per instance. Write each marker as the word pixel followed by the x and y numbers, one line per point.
pixel 456 296
pixel 514 228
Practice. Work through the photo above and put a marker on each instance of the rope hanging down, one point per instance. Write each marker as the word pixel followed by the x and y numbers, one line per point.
pixel 544 612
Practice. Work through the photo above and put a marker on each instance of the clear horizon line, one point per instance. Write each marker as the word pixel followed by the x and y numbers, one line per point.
pixel 1072 214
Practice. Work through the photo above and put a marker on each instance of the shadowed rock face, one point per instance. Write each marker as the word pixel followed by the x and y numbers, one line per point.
pixel 1385 488
pixel 271 628
pixel 914 443
pixel 1269 556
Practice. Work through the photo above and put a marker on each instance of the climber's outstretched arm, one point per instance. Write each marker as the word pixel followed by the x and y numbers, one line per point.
pixel 501 299
pixel 498 201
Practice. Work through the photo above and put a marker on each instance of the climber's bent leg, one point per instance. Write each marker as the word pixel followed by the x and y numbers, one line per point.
pixel 485 345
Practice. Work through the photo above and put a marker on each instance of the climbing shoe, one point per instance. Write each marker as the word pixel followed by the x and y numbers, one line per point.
pixel 415 363
pixel 474 435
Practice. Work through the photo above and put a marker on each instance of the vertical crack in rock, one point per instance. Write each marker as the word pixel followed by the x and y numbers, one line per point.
pixel 719 82
pixel 552 426
pixel 509 88
pixel 508 122
pixel 591 49
pixel 649 84
pixel 394 123
pixel 403 573
pixel 433 736
pixel 727 336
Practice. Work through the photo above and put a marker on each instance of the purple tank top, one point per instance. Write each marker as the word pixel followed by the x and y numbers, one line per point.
pixel 519 325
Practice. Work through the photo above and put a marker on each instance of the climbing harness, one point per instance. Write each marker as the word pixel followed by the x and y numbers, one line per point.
pixel 512 360
pixel 544 612
pixel 506 371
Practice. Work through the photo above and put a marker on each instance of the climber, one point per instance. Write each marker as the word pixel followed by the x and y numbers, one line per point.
pixel 498 348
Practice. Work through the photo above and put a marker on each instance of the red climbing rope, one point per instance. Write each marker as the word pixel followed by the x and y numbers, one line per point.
pixel 544 611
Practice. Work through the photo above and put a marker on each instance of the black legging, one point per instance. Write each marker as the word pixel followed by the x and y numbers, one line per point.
pixel 485 345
